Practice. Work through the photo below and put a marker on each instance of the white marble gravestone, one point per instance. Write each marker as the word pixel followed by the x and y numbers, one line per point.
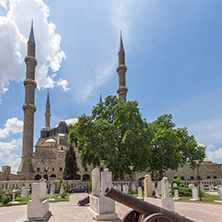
pixel 96 182
pixel 174 184
pixel 38 209
pixel 42 189
pixel 148 186
pixel 219 190
pixel 176 194
pixel 101 207
pixel 125 188
pixel 194 194
pixel 140 193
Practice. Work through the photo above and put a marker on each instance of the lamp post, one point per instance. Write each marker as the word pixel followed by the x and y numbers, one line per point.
pixel 131 169
pixel 198 177
pixel 66 183
pixel 46 170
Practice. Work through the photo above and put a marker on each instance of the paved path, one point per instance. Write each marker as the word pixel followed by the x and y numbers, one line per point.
pixel 70 212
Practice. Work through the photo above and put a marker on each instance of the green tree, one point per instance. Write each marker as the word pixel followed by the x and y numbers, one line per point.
pixel 70 164
pixel 115 133
pixel 60 184
pixel 171 147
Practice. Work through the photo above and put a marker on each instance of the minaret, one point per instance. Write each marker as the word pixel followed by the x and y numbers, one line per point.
pixel 121 70
pixel 47 113
pixel 100 98
pixel 26 169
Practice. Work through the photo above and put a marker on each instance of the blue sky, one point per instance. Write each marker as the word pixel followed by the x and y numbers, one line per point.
pixel 173 55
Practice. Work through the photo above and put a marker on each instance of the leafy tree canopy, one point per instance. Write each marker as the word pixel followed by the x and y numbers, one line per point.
pixel 115 133
pixel 171 147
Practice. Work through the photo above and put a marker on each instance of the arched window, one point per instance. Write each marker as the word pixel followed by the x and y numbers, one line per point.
pixel 45 177
pixel 85 177
pixel 77 177
pixel 38 177
pixel 53 176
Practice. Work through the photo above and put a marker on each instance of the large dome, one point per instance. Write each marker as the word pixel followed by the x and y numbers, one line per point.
pixel 70 121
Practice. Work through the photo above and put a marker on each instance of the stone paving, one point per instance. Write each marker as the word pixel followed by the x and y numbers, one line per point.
pixel 69 211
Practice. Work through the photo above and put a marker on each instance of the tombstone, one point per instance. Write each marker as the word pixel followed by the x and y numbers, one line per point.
pixel 38 209
pixel 96 182
pixel 13 197
pixel 52 191
pixel 159 186
pixel 153 186
pixel 148 186
pixel 174 184
pixel 170 185
pixel 191 185
pixel 166 201
pixel 61 189
pixel 219 190
pixel 201 187
pixel 165 187
pixel 133 186
pixel 157 193
pixel 176 194
pixel 101 207
pixel 140 193
pixel 25 191
pixel 125 188
pixel 119 187
pixel 115 187
pixel 194 194
pixel 42 189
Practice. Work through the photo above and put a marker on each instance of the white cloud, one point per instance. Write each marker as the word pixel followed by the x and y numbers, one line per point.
pixel 215 156
pixel 63 83
pixel 12 126
pixel 8 155
pixel 15 28
pixel 3 3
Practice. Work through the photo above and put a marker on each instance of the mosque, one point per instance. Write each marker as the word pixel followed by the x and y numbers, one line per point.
pixel 48 160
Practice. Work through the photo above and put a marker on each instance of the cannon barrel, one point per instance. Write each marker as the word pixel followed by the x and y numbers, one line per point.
pixel 142 206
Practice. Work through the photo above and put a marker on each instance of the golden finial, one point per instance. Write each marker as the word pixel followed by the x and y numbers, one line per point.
pixel 120 32
pixel 32 22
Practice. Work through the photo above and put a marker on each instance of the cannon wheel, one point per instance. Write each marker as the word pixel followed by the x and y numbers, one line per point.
pixel 158 217
pixel 133 216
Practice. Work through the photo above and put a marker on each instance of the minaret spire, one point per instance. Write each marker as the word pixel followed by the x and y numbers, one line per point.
pixel 47 112
pixel 121 70
pixel 100 98
pixel 26 169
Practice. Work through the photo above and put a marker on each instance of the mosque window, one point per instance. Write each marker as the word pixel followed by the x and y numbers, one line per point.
pixel 208 177
pixel 61 148
pixel 86 169
pixel 60 169
pixel 53 169
pixel 215 177
pixel 46 163
pixel 53 163
pixel 191 177
pixel 38 163
pixel 38 169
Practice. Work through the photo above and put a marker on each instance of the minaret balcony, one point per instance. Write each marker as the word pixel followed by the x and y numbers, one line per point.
pixel 121 68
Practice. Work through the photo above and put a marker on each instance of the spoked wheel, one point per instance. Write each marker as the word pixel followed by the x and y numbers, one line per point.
pixel 158 217
pixel 133 216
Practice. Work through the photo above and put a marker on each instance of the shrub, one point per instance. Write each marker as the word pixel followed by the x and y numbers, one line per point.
pixel 60 184
pixel 64 194
pixel 6 199
pixel 18 193
pixel 90 186
pixel 185 191
pixel 5 196
pixel 177 181
pixel 132 192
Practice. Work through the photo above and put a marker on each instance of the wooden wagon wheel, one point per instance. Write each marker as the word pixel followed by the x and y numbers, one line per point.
pixel 133 216
pixel 158 217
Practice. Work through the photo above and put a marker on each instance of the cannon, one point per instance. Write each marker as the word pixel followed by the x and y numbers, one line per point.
pixel 83 201
pixel 143 211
